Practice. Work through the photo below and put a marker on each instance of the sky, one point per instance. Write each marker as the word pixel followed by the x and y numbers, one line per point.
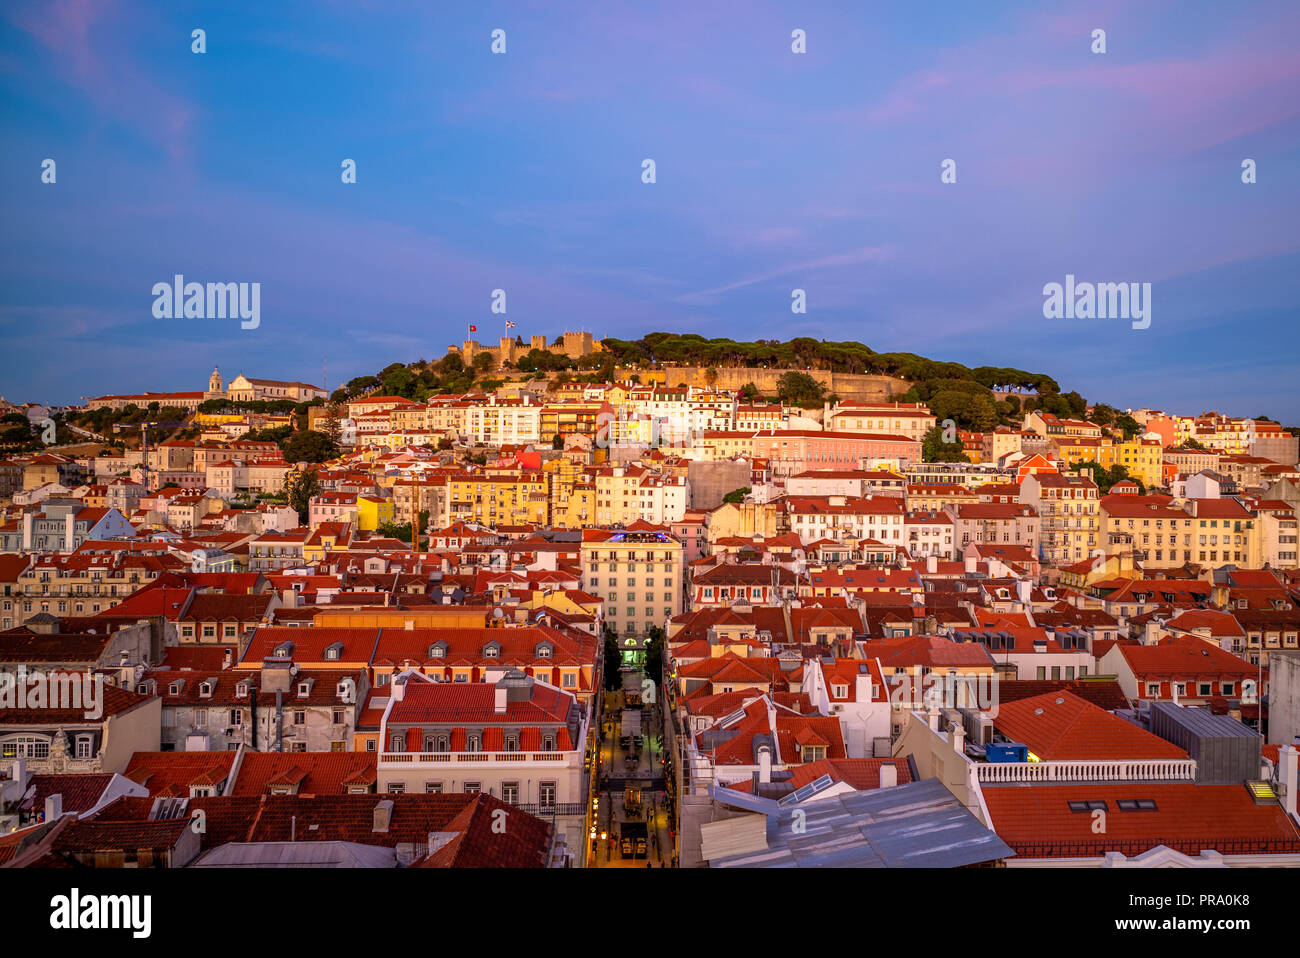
pixel 775 171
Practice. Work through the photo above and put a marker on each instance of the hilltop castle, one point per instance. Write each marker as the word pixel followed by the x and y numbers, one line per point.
pixel 508 350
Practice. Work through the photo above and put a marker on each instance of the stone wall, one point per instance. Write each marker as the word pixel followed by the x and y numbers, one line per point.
pixel 848 386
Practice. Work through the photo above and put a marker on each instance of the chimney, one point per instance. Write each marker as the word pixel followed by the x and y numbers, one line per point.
pixel 1287 756
pixel 54 804
pixel 957 736
pixel 502 697
pixel 933 717
pixel 971 563
pixel 27 532
pixel 888 775
pixel 68 522
pixel 765 765
pixel 383 816
pixel 931 564
pixel 230 654
pixel 399 690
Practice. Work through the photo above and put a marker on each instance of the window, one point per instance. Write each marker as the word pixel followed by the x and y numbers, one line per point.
pixel 545 794
pixel 299 717
pixel 339 717
pixel 25 746
pixel 1136 804
pixel 236 717
pixel 433 788
pixel 396 788
pixel 370 745
pixel 1088 806
pixel 473 788
pixel 200 718
pixel 510 792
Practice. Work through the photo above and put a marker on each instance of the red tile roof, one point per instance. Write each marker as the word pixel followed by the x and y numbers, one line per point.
pixel 80 793
pixel 1061 726
pixel 1038 823
pixel 173 773
pixel 313 773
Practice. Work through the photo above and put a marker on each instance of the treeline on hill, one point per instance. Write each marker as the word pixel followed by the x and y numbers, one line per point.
pixel 691 349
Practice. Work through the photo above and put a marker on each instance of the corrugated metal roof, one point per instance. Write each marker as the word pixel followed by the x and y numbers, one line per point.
pixel 298 855
pixel 918 825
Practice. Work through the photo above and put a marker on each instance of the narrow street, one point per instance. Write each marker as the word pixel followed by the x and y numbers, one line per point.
pixel 631 797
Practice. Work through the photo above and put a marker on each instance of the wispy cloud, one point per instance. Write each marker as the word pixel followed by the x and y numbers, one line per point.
pixel 870 254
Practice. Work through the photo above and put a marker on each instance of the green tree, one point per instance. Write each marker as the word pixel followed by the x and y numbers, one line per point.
pixel 654 654
pixel 737 495
pixel 310 446
pixel 299 489
pixel 934 448
pixel 557 442
pixel 800 389
pixel 1107 478
pixel 613 659
pixel 1130 426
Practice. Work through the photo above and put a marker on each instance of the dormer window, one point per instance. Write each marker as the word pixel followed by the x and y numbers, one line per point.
pixel 492 651
pixel 840 691
pixel 512 742
pixel 544 651
pixel 304 688
pixel 437 651
pixel 548 742
pixel 241 690
pixel 284 651
pixel 334 652
pixel 205 689
pixel 473 742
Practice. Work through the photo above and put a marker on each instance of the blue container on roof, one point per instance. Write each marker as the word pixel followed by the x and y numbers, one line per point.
pixel 1006 752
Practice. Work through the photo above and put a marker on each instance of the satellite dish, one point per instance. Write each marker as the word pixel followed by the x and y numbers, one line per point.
pixel 497 613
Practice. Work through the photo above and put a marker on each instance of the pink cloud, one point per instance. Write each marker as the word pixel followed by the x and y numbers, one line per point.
pixel 101 68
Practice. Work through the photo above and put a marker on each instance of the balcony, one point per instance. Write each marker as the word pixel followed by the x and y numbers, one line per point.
pixel 481 758
pixel 1138 770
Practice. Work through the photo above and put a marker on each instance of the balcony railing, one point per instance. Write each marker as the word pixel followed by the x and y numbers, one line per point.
pixel 996 773
pixel 484 758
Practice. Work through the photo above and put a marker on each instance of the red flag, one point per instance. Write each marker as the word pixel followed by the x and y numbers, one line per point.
pixel 473 329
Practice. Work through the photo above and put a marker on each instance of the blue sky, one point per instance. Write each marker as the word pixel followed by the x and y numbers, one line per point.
pixel 775 171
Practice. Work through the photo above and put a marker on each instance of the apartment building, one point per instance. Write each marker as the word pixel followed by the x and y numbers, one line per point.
pixel 1069 515
pixel 912 420
pixel 501 422
pixel 501 499
pixel 638 572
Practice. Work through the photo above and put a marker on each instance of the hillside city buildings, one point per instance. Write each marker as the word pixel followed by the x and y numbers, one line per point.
pixel 648 623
